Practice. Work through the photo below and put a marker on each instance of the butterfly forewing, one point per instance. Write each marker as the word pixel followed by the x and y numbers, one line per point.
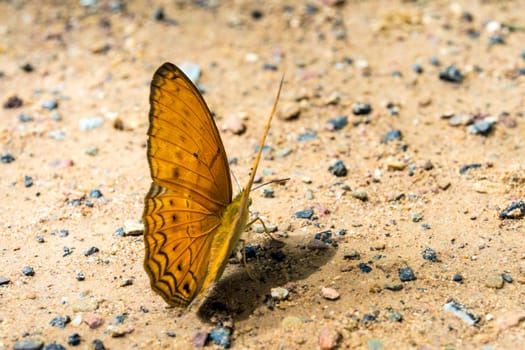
pixel 191 187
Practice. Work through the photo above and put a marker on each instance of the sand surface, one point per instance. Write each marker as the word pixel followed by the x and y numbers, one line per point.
pixel 403 204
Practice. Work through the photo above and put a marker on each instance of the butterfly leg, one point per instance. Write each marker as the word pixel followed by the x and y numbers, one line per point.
pixel 266 231
pixel 245 263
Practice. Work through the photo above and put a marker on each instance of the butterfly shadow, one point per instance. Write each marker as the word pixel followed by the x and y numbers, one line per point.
pixel 239 292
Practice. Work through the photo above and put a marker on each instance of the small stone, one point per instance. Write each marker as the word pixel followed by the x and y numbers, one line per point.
pixel 417 68
pixel 192 71
pixel 28 271
pixel 90 123
pixel 4 280
pixel 7 158
pixel 457 278
pixel 338 168
pixel 13 102
pixel 279 293
pixel 28 344
pixel 333 99
pixel 80 276
pixel 337 123
pixel 304 214
pixel 481 127
pixel 158 14
pixel 427 165
pixel 268 192
pixel 60 321
pixel 91 251
pixel 429 254
pixel 364 268
pixel 24 118
pixel 416 217
pixel 510 319
pixel 392 164
pixel 461 311
pixel 392 135
pixel 92 151
pixel 394 286
pixel 92 320
pixel 126 282
pixel 351 255
pixel 359 108
pixel 467 167
pixel 50 105
pixel 28 181
pixel 95 193
pixel 74 339
pixel 451 74
pixel 54 346
pixel 316 244
pixel 360 194
pixel 394 315
pixel 132 228
pixel 375 344
pixel 329 338
pixel 221 336
pixel 236 125
pixel 330 293
pixel 97 344
pixel 284 152
pixel 406 274
pixel 461 119
pixel 118 331
pixel 507 278
pixel 494 280
pixel 199 339
pixel 289 111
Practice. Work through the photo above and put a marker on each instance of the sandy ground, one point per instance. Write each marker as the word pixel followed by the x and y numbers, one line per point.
pixel 420 212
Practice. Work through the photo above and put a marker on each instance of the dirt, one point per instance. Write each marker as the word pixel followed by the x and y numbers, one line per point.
pixel 402 204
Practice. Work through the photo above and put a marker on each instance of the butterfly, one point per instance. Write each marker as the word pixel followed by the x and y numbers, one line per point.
pixel 191 222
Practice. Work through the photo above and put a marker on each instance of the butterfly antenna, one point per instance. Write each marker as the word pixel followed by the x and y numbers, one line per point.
pixel 263 138
pixel 276 181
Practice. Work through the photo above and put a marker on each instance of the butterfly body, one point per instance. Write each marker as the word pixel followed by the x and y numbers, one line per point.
pixel 191 222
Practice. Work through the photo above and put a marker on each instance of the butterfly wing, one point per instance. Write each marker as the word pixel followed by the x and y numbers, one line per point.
pixel 190 190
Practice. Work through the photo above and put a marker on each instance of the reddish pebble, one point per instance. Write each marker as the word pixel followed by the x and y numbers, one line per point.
pixel 92 320
pixel 199 339
pixel 330 293
pixel 511 319
pixel 328 338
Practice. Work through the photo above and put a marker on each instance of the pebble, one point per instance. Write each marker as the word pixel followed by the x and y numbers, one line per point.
pixel 316 244
pixel 360 194
pixel 304 214
pixel 364 268
pixel 392 135
pixel 417 68
pixel 351 255
pixel 338 168
pixel 118 331
pixel 290 322
pixel 279 293
pixel 329 338
pixel 7 158
pixel 394 315
pixel 289 111
pixel 200 339
pixel 235 124
pixel 95 193
pixel 284 152
pixel 28 181
pixel 330 293
pixel 510 319
pixel 393 164
pixel 514 206
pixel 337 123
pixel 461 311
pixel 192 71
pixel 451 74
pixel 92 151
pixel 80 276
pixel 268 192
pixel 467 167
pixel 259 228
pixel 28 344
pixel 60 321
pixel 360 108
pixel 50 105
pixel 481 127
pixel 494 280
pixel 333 99
pixel 394 286
pixel 429 254
pixel 90 123
pixel 461 119
pixel 91 251
pixel 4 280
pixel 13 102
pixel 74 339
pixel 28 271
pixel 54 346
pixel 507 278
pixel 457 278
pixel 97 344
pixel 57 135
pixel 416 217
pixel 307 136
pixel 406 274
pixel 221 336
pixel 131 228
pixel 375 344
pixel 24 118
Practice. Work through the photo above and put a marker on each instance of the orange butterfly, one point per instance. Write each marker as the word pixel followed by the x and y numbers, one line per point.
pixel 191 222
